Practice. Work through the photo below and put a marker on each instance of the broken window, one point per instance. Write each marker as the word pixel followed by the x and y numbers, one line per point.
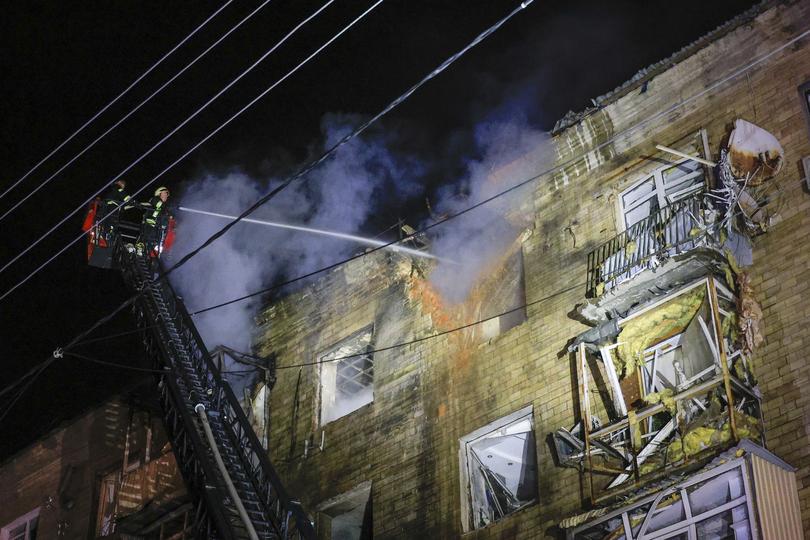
pixel 347 376
pixel 499 471
pixel 22 528
pixel 665 185
pixel 347 516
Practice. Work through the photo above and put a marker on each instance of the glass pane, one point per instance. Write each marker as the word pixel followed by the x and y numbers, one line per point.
pixel 668 512
pixel 637 194
pixel 730 525
pixel 503 472
pixel 17 533
pixel 640 212
pixel 715 492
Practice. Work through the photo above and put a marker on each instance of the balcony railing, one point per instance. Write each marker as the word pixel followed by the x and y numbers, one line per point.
pixel 674 229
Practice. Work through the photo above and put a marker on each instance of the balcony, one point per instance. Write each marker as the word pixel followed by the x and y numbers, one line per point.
pixel 680 227
pixel 665 388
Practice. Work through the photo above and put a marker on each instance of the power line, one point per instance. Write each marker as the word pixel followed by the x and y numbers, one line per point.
pixel 515 187
pixel 114 364
pixel 433 335
pixel 134 110
pixel 628 130
pixel 177 128
pixel 270 195
pixel 118 335
pixel 353 134
pixel 119 96
pixel 59 353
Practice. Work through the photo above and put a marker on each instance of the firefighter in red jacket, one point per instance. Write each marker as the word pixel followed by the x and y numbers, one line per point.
pixel 155 222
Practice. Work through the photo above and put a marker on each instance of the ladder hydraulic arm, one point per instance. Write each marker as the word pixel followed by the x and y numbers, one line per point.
pixel 188 377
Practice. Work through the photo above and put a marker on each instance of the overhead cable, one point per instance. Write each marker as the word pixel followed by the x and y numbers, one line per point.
pixel 134 110
pixel 175 130
pixel 348 137
pixel 550 170
pixel 116 98
pixel 399 100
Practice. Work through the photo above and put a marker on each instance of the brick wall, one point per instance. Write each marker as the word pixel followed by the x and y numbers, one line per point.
pixel 71 460
pixel 430 394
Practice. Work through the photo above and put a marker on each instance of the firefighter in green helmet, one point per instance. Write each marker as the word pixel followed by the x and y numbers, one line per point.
pixel 155 222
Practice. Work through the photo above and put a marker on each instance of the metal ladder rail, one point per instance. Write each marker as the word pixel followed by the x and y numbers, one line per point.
pixel 259 517
pixel 187 384
pixel 267 484
pixel 191 452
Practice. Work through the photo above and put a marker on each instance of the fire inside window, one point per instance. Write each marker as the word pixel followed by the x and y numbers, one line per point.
pixel 347 376
pixel 499 470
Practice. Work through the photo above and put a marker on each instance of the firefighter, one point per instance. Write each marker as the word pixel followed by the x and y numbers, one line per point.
pixel 155 222
pixel 113 200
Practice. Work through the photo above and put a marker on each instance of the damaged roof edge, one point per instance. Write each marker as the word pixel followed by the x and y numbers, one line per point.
pixel 648 73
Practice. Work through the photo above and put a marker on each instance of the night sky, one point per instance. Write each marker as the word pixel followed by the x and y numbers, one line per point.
pixel 62 61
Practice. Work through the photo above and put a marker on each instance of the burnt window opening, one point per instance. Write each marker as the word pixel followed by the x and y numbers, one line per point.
pixel 22 528
pixel 507 297
pixel 665 185
pixel 347 516
pixel 499 470
pixel 347 376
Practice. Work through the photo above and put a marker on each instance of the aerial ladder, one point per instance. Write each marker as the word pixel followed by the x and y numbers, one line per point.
pixel 236 493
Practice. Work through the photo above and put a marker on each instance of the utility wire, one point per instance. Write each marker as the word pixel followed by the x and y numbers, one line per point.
pixel 631 128
pixel 133 111
pixel 429 336
pixel 515 187
pixel 114 364
pixel 58 354
pixel 119 96
pixel 175 130
pixel 270 195
pixel 357 131
pixel 118 335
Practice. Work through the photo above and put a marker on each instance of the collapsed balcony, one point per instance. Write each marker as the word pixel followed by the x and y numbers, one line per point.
pixel 661 389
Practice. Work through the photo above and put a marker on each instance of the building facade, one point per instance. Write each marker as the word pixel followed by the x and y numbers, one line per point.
pixel 109 473
pixel 634 356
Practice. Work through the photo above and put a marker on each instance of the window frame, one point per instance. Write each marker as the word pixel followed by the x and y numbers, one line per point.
pixel 25 519
pixel 328 365
pixel 465 475
pixel 659 187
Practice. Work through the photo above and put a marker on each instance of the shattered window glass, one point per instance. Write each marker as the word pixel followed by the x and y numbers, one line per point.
pixel 347 376
pixel 501 468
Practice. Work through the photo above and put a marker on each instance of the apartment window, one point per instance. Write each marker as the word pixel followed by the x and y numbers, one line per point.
pixel 347 376
pixel 22 528
pixel 665 185
pixel 347 516
pixel 108 489
pixel 499 469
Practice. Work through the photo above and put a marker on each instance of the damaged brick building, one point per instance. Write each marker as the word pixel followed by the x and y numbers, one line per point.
pixel 629 365
pixel 639 363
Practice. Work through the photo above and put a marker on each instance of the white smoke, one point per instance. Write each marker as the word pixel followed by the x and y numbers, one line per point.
pixel 511 152
pixel 339 196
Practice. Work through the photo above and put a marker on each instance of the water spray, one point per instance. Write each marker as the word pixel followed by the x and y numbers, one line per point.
pixel 354 238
